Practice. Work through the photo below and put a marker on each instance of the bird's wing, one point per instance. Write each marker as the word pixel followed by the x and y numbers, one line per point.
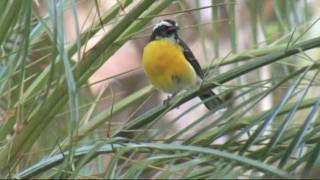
pixel 191 59
pixel 215 101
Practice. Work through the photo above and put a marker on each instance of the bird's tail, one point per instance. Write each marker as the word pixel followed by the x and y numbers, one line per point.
pixel 214 102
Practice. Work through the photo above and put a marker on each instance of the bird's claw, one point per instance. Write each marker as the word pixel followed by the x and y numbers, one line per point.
pixel 167 101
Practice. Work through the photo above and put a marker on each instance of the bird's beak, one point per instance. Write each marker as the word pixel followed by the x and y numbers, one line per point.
pixel 174 28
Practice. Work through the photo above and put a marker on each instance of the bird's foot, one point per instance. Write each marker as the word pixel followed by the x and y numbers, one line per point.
pixel 166 101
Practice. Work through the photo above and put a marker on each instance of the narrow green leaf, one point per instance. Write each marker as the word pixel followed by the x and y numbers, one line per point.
pixel 9 18
pixel 278 8
pixel 314 156
pixel 279 132
pixel 298 138
pixel 144 147
pixel 215 28
pixel 261 129
pixel 201 31
pixel 253 22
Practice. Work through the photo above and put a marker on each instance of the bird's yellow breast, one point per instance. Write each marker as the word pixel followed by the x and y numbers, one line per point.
pixel 166 67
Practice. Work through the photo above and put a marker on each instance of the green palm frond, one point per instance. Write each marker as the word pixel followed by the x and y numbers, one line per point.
pixel 51 126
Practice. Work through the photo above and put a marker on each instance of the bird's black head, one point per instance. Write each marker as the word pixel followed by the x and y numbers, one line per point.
pixel 165 29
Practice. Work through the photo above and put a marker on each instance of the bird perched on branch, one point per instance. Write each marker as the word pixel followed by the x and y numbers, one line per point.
pixel 170 66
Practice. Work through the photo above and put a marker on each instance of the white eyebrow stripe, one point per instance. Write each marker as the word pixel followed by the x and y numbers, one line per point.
pixel 160 24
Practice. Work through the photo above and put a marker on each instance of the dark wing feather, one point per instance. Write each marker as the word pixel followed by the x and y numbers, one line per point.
pixel 191 59
pixel 215 101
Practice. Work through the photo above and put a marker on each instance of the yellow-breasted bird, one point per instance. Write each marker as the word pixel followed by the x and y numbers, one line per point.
pixel 169 64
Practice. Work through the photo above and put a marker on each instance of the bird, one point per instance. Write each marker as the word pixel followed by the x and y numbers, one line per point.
pixel 170 65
